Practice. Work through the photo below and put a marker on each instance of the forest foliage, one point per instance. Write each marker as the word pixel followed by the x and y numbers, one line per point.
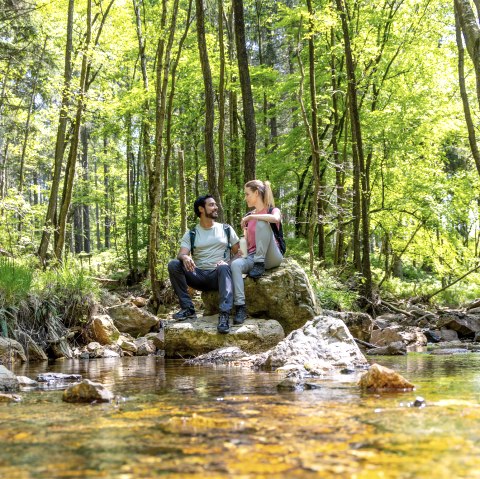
pixel 353 110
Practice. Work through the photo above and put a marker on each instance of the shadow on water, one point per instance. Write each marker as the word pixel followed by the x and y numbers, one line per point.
pixel 172 420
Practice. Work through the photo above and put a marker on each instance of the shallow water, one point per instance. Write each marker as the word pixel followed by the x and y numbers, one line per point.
pixel 176 421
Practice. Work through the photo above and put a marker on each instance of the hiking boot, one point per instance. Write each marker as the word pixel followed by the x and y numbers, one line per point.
pixel 240 314
pixel 257 270
pixel 185 313
pixel 223 323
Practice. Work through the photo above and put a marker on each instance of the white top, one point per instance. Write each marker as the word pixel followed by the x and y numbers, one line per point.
pixel 211 245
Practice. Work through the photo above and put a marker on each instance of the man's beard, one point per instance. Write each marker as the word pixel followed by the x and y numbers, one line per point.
pixel 213 215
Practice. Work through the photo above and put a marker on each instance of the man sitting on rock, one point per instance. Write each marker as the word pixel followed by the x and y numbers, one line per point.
pixel 203 262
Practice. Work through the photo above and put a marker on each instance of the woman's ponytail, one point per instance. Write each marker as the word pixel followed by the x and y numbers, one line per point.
pixel 268 197
pixel 265 191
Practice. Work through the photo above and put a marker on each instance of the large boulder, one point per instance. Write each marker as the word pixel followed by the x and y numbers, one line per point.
pixel 282 293
pixel 103 329
pixel 34 351
pixel 322 344
pixel 130 319
pixel 412 337
pixel 199 336
pixel 11 351
pixel 466 325
pixel 360 325
pixel 8 380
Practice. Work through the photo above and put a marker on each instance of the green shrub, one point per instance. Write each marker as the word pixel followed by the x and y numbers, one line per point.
pixel 15 282
pixel 69 291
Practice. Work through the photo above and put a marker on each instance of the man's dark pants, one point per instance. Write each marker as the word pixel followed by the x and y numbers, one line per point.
pixel 219 279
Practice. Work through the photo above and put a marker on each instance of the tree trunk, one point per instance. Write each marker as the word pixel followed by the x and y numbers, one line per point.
pixel 162 73
pixel 60 143
pixel 358 155
pixel 77 229
pixel 183 196
pixel 72 157
pixel 209 107
pixel 171 96
pixel 106 195
pixel 221 105
pixel 463 92
pixel 86 181
pixel 247 97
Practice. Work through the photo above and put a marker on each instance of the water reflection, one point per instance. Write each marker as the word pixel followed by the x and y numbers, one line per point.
pixel 182 421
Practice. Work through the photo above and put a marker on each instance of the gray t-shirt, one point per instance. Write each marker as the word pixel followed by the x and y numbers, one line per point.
pixel 211 245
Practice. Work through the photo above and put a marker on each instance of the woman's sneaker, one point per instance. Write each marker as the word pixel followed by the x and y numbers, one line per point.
pixel 185 314
pixel 257 270
pixel 240 314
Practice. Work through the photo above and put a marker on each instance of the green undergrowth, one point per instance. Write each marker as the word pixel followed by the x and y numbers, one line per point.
pixel 459 294
pixel 331 288
pixel 44 303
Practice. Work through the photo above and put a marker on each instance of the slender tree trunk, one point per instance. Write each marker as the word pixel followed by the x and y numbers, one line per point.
pixel 209 107
pixel 60 143
pixel 86 181
pixel 97 209
pixel 162 73
pixel 463 92
pixel 72 157
pixel 183 196
pixel 130 181
pixel 221 105
pixel 357 146
pixel 339 165
pixel 171 96
pixel 247 97
pixel 471 33
pixel 3 171
pixel 29 115
pixel 106 195
pixel 77 229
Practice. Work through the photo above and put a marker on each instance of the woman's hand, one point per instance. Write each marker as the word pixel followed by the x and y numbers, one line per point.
pixel 245 220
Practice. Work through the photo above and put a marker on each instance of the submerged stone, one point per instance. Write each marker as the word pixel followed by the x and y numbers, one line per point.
pixel 380 378
pixel 87 391
pixel 8 380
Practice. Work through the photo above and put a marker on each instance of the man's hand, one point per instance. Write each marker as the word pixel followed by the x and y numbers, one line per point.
pixel 188 263
pixel 221 262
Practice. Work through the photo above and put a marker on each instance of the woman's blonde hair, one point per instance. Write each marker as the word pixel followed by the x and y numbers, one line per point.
pixel 264 189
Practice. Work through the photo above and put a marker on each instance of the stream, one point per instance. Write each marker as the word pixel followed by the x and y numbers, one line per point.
pixel 175 421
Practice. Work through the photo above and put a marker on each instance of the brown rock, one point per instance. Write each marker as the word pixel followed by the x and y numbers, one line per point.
pixel 87 391
pixel 139 301
pixel 133 320
pixel 380 378
pixel 103 330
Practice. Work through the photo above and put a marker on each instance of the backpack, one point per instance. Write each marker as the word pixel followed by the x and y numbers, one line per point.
pixel 278 233
pixel 226 229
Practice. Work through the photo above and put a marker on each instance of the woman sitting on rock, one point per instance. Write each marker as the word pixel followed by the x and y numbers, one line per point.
pixel 263 249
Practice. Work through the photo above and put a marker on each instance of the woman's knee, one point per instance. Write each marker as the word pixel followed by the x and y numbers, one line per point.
pixel 262 226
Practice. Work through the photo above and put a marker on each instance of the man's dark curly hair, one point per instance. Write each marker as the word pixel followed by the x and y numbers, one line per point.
pixel 200 201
